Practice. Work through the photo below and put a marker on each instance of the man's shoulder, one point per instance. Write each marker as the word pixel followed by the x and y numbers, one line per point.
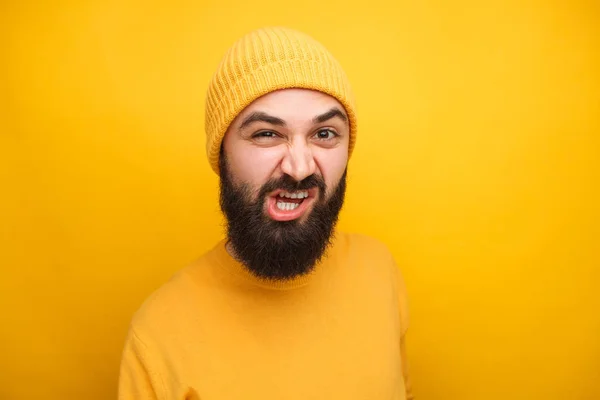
pixel 171 301
pixel 163 298
pixel 363 242
pixel 378 258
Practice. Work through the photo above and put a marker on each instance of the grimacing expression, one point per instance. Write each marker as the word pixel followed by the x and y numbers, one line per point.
pixel 283 178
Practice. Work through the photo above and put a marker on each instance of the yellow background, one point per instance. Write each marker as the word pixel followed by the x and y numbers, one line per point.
pixel 477 162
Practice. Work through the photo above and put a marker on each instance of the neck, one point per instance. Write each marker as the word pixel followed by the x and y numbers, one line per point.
pixel 230 250
pixel 245 273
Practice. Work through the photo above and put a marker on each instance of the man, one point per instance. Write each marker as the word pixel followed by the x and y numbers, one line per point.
pixel 285 307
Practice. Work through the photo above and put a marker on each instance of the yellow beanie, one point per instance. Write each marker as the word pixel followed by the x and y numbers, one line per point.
pixel 264 61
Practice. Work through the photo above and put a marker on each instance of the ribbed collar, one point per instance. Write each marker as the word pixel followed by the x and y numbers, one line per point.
pixel 236 268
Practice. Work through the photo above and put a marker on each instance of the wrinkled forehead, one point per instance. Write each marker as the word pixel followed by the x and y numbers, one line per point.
pixel 294 106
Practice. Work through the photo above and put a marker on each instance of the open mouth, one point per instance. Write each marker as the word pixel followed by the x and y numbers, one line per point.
pixel 289 205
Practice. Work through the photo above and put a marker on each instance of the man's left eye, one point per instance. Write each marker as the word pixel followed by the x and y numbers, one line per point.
pixel 325 134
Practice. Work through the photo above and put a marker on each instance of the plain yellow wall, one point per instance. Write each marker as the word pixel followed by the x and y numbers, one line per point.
pixel 477 162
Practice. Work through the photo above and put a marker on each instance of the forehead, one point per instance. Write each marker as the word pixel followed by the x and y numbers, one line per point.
pixel 293 104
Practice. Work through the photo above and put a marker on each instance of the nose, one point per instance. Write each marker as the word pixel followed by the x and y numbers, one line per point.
pixel 298 162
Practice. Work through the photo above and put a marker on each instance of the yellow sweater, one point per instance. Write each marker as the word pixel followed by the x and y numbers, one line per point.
pixel 215 332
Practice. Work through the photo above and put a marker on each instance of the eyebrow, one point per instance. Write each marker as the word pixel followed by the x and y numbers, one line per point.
pixel 333 113
pixel 259 116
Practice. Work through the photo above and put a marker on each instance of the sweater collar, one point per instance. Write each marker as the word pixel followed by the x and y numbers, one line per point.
pixel 236 268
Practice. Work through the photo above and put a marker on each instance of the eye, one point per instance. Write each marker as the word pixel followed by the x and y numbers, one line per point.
pixel 264 135
pixel 326 134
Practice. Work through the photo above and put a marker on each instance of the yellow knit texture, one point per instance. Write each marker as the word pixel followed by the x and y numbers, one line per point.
pixel 264 61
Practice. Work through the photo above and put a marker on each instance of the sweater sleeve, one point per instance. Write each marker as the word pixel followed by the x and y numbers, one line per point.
pixel 403 309
pixel 407 381
pixel 137 379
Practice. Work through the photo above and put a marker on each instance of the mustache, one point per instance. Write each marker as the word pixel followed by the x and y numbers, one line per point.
pixel 290 184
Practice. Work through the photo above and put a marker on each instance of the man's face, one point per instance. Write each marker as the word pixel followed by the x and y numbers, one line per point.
pixel 283 169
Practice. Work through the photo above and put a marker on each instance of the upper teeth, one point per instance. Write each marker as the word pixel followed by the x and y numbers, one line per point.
pixel 294 195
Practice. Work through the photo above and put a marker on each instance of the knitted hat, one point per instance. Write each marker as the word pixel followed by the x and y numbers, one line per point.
pixel 264 61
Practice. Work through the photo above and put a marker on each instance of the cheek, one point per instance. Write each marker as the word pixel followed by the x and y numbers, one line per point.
pixel 332 165
pixel 254 166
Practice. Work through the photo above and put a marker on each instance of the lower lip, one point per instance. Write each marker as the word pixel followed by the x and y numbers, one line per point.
pixel 286 215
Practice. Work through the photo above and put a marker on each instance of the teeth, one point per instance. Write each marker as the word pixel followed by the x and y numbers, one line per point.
pixel 295 195
pixel 287 206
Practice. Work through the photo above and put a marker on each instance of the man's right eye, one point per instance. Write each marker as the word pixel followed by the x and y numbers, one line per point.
pixel 264 134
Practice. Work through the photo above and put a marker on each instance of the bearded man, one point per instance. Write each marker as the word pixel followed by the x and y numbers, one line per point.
pixel 286 306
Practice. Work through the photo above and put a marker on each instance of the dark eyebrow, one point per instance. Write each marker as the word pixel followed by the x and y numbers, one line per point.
pixel 334 112
pixel 259 116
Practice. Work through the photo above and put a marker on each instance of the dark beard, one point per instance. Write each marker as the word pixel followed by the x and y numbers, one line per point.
pixel 278 250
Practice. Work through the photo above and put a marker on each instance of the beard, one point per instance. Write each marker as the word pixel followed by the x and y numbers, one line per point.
pixel 278 250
